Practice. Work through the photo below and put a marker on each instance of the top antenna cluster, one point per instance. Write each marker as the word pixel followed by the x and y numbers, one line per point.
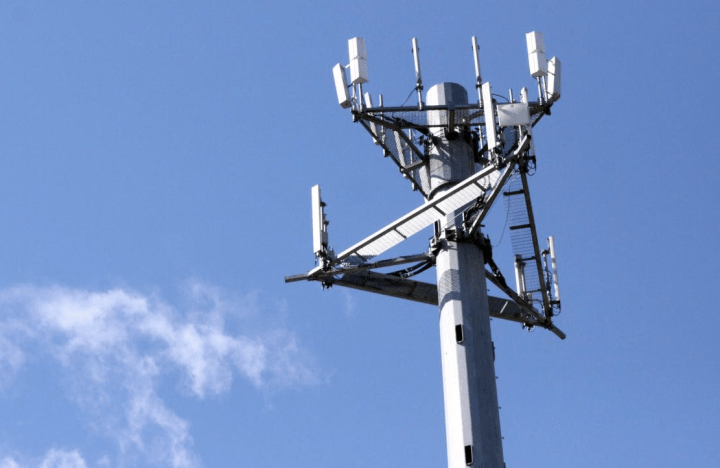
pixel 350 95
pixel 494 137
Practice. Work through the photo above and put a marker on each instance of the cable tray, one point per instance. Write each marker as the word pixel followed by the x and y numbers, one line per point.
pixel 462 194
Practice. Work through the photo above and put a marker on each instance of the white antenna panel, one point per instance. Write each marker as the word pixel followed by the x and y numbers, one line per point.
pixel 519 276
pixel 368 101
pixel 319 227
pixel 536 53
pixel 556 287
pixel 359 71
pixel 535 42
pixel 538 65
pixel 373 127
pixel 517 113
pixel 356 48
pixel 489 111
pixel 358 60
pixel 341 86
pixel 524 95
pixel 553 86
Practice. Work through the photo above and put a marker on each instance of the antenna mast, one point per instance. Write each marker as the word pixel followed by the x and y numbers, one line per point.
pixel 418 73
pixel 461 157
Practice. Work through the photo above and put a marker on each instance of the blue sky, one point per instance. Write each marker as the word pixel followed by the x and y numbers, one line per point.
pixel 156 160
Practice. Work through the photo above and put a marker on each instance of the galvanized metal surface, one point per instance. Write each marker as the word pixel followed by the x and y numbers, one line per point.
pixel 426 293
pixel 436 210
pixel 472 417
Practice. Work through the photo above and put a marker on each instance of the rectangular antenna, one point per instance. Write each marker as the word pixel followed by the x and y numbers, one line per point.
pixel 357 48
pixel 319 226
pixel 341 86
pixel 512 114
pixel 556 287
pixel 527 130
pixel 358 60
pixel 553 85
pixel 372 125
pixel 489 111
pixel 536 53
pixel 519 276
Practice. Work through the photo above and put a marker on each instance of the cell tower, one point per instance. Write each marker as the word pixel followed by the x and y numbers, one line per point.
pixel 461 157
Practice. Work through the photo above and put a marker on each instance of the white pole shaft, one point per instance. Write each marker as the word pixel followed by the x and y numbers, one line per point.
pixel 472 416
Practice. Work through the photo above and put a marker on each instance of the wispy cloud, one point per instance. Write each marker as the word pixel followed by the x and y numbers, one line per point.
pixel 54 458
pixel 349 309
pixel 8 462
pixel 63 459
pixel 116 345
pixel 11 359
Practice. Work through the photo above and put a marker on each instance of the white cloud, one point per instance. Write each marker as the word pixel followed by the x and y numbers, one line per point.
pixel 349 302
pixel 8 462
pixel 54 458
pixel 149 418
pixel 116 345
pixel 63 459
pixel 11 359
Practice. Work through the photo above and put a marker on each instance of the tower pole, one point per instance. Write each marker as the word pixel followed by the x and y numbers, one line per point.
pixel 472 418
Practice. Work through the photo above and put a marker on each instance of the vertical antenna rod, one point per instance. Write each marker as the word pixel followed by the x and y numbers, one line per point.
pixel 418 73
pixel 478 75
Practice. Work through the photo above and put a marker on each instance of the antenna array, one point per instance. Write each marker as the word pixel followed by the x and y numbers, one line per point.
pixel 493 131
